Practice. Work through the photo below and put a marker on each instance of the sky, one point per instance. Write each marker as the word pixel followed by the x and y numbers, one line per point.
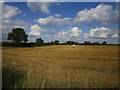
pixel 63 21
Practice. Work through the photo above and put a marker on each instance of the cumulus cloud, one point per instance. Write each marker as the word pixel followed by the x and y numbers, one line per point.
pixel 9 11
pixel 74 32
pixel 36 30
pixel 62 35
pixel 101 32
pixel 57 15
pixel 86 35
pixel 42 5
pixel 117 0
pixel 52 21
pixel 15 23
pixel 1 1
pixel 105 14
pixel 115 36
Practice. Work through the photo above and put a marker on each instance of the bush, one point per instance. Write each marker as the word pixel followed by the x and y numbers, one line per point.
pixel 11 44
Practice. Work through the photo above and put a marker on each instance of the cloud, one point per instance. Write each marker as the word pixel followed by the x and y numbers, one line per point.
pixel 115 36
pixel 57 15
pixel 75 32
pixel 117 0
pixel 67 35
pixel 36 30
pixel 15 23
pixel 86 35
pixel 105 14
pixel 61 35
pixel 101 32
pixel 42 5
pixel 2 1
pixel 52 21
pixel 9 12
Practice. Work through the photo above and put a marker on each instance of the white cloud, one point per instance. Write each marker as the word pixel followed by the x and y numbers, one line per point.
pixel 61 35
pixel 9 11
pixel 4 27
pixel 75 32
pixel 36 30
pixel 5 20
pixel 57 15
pixel 86 35
pixel 67 35
pixel 117 0
pixel 1 1
pixel 42 5
pixel 19 27
pixel 52 21
pixel 101 32
pixel 42 0
pixel 53 31
pixel 115 36
pixel 102 13
pixel 15 23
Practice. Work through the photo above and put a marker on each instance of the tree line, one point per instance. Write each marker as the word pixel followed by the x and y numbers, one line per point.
pixel 19 38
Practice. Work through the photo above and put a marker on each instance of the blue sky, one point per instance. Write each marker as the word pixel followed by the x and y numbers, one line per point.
pixel 78 21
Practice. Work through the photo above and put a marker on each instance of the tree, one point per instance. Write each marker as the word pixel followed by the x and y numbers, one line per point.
pixel 39 41
pixel 96 43
pixel 56 42
pixel 52 42
pixel 70 42
pixel 104 42
pixel 87 42
pixel 17 35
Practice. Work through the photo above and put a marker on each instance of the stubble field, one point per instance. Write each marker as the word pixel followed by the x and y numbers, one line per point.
pixel 60 66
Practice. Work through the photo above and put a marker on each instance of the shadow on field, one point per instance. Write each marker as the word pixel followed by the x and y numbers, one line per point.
pixel 11 76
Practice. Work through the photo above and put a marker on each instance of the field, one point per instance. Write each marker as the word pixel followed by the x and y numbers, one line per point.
pixel 65 66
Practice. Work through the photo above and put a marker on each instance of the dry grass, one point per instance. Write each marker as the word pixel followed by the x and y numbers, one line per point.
pixel 61 67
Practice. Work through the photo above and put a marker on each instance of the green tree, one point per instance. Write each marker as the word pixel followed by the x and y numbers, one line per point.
pixel 17 35
pixel 70 42
pixel 39 42
pixel 96 43
pixel 56 42
pixel 104 42
pixel 87 42
pixel 52 43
